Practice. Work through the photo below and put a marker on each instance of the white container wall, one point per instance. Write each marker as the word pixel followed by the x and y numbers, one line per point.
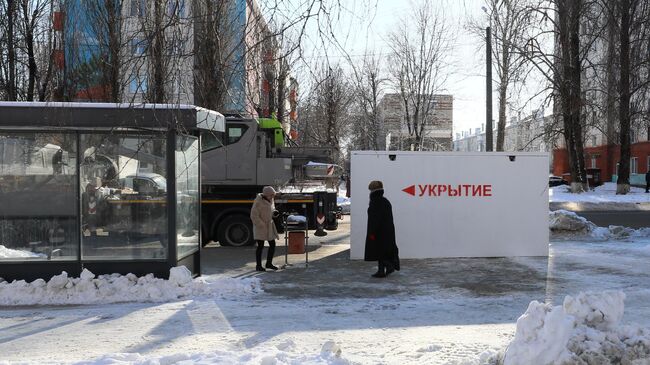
pixel 456 204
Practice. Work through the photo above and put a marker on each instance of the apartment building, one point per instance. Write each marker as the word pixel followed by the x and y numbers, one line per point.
pixel 395 135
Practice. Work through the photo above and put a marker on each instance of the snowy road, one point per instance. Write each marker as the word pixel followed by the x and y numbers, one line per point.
pixel 432 312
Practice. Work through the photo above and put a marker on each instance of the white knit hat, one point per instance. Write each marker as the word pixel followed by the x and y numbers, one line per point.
pixel 268 190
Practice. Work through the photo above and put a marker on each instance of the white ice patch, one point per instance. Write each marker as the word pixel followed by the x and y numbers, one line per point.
pixel 115 288
pixel 564 224
pixel 9 253
pixel 585 330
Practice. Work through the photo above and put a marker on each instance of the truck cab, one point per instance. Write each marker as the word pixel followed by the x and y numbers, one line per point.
pixel 238 162
pixel 242 156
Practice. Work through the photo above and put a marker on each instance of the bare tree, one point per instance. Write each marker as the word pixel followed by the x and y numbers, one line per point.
pixel 508 19
pixel 323 116
pixel 369 85
pixel 9 40
pixel 36 30
pixel 630 29
pixel 626 9
pixel 164 32
pixel 420 46
pixel 560 52
pixel 218 52
pixel 98 42
pixel 26 41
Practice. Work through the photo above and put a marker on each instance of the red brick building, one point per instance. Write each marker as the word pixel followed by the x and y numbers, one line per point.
pixel 606 159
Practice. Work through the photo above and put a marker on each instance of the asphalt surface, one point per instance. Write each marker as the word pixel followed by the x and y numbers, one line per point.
pixel 571 267
pixel 632 218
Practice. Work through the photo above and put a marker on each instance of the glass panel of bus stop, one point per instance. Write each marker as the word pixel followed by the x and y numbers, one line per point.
pixel 187 195
pixel 123 196
pixel 38 215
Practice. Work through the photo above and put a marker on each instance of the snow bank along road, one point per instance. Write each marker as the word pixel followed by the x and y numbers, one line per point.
pixel 432 312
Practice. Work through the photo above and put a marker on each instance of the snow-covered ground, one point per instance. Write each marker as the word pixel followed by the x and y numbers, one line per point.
pixel 105 289
pixel 8 253
pixel 605 193
pixel 566 225
pixel 456 311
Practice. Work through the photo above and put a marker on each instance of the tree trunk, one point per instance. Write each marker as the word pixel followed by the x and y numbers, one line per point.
pixel 209 75
pixel 11 53
pixel 610 90
pixel 331 111
pixel 281 98
pixel 501 125
pixel 32 68
pixel 157 82
pixel 112 88
pixel 45 79
pixel 570 89
pixel 623 182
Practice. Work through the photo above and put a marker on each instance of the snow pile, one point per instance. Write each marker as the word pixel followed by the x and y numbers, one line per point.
pixel 8 253
pixel 116 288
pixel 566 221
pixel 584 330
pixel 605 193
pixel 284 353
pixel 564 224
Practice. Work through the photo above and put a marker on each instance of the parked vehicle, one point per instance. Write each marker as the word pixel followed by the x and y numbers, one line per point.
pixel 343 204
pixel 556 181
pixel 250 154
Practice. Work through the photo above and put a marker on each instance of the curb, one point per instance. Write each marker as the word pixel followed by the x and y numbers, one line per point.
pixel 594 207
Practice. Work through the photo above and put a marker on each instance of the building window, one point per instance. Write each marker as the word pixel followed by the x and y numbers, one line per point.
pixel 176 8
pixel 633 138
pixel 593 141
pixel 138 8
pixel 633 165
pixel 594 160
pixel 176 47
pixel 138 84
pixel 235 133
pixel 138 47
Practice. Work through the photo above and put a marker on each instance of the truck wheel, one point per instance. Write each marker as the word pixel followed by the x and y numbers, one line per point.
pixel 236 231
pixel 205 239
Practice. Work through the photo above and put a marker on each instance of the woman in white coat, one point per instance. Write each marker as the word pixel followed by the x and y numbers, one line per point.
pixel 264 227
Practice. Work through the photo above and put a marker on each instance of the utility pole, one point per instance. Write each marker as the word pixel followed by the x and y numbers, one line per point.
pixel 488 90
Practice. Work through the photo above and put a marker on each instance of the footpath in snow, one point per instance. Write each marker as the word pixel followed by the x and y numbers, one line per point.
pixel 223 320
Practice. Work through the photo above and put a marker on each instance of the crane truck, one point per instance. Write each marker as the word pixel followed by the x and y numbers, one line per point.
pixel 250 154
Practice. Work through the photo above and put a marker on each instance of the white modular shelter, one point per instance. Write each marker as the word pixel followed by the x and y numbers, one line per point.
pixel 451 204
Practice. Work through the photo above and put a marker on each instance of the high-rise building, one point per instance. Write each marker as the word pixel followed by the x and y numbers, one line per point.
pixel 168 51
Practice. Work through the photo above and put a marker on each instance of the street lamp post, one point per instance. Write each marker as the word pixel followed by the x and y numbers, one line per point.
pixel 488 85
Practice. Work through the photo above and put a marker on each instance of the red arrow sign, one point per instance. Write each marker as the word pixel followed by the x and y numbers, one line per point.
pixel 410 190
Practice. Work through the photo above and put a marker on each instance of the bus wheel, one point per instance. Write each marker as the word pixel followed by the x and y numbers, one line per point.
pixel 236 231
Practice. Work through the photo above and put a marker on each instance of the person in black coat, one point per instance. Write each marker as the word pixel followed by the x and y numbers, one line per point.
pixel 647 182
pixel 380 236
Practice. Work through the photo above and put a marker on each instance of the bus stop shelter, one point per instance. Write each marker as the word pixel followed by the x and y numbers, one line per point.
pixel 114 188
